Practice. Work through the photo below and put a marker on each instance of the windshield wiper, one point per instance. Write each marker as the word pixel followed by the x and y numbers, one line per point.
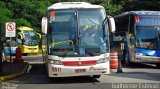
pixel 65 54
pixel 93 54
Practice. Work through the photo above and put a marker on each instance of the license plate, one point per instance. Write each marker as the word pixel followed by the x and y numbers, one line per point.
pixel 32 50
pixel 80 70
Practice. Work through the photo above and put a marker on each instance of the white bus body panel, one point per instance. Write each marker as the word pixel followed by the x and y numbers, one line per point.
pixel 73 5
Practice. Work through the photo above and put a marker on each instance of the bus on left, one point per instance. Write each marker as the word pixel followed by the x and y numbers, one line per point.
pixel 26 38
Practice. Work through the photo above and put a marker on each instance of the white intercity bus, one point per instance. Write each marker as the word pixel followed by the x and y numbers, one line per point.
pixel 76 37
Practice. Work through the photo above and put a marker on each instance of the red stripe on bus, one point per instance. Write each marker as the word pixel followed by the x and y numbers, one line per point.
pixel 79 63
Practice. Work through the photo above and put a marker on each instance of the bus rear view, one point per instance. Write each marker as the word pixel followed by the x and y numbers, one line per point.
pixel 77 35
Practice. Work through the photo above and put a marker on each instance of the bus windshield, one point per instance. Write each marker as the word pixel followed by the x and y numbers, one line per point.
pixel 147 37
pixel 77 32
pixel 30 38
pixel 91 32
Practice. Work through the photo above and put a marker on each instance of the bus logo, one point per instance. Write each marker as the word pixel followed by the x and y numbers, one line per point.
pixel 137 18
pixel 79 63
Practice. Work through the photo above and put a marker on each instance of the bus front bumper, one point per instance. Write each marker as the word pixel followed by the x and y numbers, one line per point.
pixel 147 59
pixel 30 49
pixel 68 71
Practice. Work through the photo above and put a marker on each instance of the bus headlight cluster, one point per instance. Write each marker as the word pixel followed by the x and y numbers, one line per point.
pixel 56 62
pixel 103 60
pixel 140 54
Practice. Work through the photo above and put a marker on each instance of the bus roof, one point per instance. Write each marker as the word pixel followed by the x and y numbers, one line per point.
pixel 24 28
pixel 138 13
pixel 73 5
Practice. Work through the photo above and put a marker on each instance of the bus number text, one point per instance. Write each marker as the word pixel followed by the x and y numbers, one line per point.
pixel 56 69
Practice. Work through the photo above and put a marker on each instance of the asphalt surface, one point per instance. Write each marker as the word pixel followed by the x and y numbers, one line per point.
pixel 136 75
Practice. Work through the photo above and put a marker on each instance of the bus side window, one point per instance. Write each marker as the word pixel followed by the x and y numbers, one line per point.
pixel 19 37
pixel 19 40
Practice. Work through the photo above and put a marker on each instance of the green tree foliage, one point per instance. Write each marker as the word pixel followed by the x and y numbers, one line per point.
pixel 23 12
pixel 5 14
pixel 135 5
pixel 111 8
pixel 30 12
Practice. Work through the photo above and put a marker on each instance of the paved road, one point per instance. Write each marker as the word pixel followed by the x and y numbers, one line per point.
pixel 32 59
pixel 138 74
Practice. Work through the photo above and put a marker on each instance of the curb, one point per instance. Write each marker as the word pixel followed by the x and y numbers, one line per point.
pixel 3 78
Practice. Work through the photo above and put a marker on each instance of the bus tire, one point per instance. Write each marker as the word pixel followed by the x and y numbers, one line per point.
pixel 158 65
pixel 25 54
pixel 96 76
pixel 126 59
pixel 123 57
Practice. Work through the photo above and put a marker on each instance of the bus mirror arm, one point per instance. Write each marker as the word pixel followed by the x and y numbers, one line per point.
pixel 21 35
pixel 39 35
pixel 104 22
pixel 22 41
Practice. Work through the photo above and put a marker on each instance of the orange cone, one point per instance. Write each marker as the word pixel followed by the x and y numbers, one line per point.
pixel 18 57
pixel 114 60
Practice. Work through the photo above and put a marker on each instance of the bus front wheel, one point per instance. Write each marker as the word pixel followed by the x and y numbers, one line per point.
pixel 25 54
pixel 127 59
pixel 96 76
pixel 158 65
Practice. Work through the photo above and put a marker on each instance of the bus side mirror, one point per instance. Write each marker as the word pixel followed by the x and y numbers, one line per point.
pixel 111 24
pixel 44 25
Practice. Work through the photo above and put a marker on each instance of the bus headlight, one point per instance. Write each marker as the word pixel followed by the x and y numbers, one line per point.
pixel 56 62
pixel 140 54
pixel 103 60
